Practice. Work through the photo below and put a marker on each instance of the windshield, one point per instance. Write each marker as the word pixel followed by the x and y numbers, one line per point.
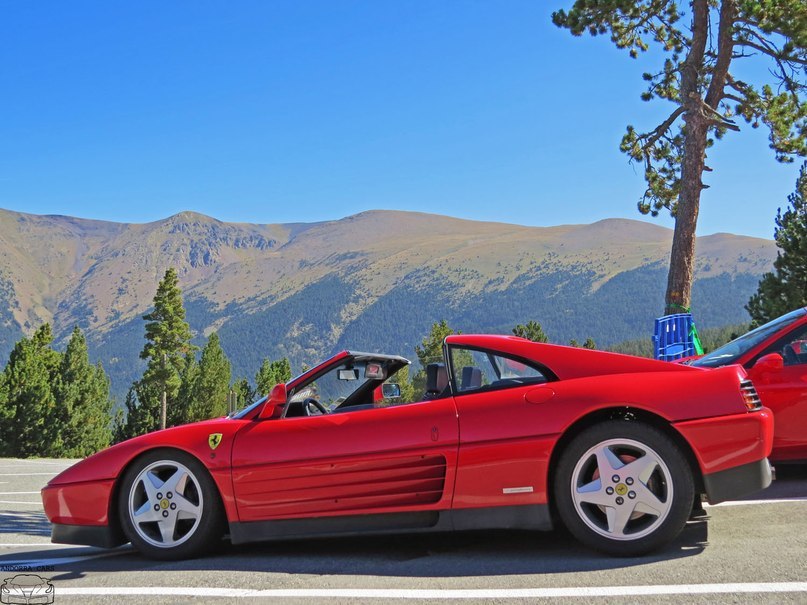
pixel 730 352
pixel 248 409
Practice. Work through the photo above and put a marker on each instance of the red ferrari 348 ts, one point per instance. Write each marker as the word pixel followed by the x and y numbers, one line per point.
pixel 509 434
pixel 775 357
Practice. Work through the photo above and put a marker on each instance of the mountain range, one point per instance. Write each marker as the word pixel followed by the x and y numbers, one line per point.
pixel 372 281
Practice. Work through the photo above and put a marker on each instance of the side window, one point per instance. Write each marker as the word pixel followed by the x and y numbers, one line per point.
pixel 792 348
pixel 476 370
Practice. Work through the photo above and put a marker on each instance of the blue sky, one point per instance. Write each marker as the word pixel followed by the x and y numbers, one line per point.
pixel 272 112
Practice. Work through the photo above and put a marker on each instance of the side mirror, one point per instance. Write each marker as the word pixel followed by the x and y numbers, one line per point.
pixel 767 365
pixel 273 407
pixel 391 390
pixel 772 362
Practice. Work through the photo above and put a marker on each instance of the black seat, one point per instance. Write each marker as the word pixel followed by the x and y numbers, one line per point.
pixel 471 378
pixel 789 355
pixel 436 380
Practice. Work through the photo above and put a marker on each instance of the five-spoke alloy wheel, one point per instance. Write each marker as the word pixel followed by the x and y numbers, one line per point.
pixel 169 506
pixel 623 488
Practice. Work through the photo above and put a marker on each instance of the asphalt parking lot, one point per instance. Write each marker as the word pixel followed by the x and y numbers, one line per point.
pixel 754 551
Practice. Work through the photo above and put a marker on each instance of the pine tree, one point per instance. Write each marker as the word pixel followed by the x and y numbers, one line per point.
pixel 83 403
pixel 430 351
pixel 281 368
pixel 532 331
pixel 265 378
pixel 272 373
pixel 181 411
pixel 167 343
pixel 244 392
pixel 785 289
pixel 31 424
pixel 407 388
pixel 213 382
pixel 697 78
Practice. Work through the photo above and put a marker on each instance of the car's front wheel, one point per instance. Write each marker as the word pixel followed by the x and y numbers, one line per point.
pixel 623 488
pixel 169 506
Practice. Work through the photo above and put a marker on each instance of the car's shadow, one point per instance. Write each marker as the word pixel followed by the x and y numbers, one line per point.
pixel 29 523
pixel 467 554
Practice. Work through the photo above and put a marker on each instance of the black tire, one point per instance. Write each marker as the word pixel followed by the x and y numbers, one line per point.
pixel 181 518
pixel 627 513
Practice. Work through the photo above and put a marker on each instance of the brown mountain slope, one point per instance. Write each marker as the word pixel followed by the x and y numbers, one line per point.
pixel 68 270
pixel 327 282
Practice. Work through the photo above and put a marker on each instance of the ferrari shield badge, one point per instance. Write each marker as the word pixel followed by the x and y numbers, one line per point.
pixel 213 440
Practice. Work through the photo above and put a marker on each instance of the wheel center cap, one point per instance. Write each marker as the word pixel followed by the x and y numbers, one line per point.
pixel 163 503
pixel 621 489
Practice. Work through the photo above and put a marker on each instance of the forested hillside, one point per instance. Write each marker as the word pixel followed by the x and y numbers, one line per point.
pixel 374 281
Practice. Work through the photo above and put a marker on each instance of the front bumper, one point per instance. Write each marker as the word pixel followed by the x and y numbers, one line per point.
pixel 738 481
pixel 102 536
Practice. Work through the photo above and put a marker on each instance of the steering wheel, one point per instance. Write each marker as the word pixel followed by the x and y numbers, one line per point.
pixel 315 402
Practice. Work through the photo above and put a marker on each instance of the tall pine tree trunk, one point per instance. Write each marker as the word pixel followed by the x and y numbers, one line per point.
pixel 682 254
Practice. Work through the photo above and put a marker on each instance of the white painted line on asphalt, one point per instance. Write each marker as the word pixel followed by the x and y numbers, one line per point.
pixel 437 594
pixel 37 502
pixel 31 544
pixel 749 502
pixel 16 462
pixel 17 493
pixel 25 474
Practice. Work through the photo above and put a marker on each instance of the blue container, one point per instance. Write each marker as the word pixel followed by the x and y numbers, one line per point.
pixel 674 337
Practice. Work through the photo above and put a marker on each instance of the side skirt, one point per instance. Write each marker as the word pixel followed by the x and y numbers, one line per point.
pixel 535 517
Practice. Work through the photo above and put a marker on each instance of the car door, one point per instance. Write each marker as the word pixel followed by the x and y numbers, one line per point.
pixel 785 392
pixel 502 461
pixel 382 459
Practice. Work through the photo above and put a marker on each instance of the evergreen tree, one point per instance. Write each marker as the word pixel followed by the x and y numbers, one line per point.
pixel 83 403
pixel 265 378
pixel 785 289
pixel 431 348
pixel 181 411
pixel 126 424
pixel 282 370
pixel 430 351
pixel 244 392
pixel 31 426
pixel 272 373
pixel 531 331
pixel 167 343
pixel 6 413
pixel 697 78
pixel 212 383
pixel 401 378
pixel 142 411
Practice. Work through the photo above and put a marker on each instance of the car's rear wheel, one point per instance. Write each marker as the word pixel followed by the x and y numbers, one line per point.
pixel 169 506
pixel 623 488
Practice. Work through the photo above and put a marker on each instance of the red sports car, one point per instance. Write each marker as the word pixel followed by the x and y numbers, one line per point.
pixel 508 434
pixel 775 357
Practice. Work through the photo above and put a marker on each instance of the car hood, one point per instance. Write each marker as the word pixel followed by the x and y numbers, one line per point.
pixel 191 438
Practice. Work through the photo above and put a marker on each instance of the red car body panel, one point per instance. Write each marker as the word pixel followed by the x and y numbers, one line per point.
pixel 365 453
pixel 84 503
pixel 465 451
pixel 715 440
